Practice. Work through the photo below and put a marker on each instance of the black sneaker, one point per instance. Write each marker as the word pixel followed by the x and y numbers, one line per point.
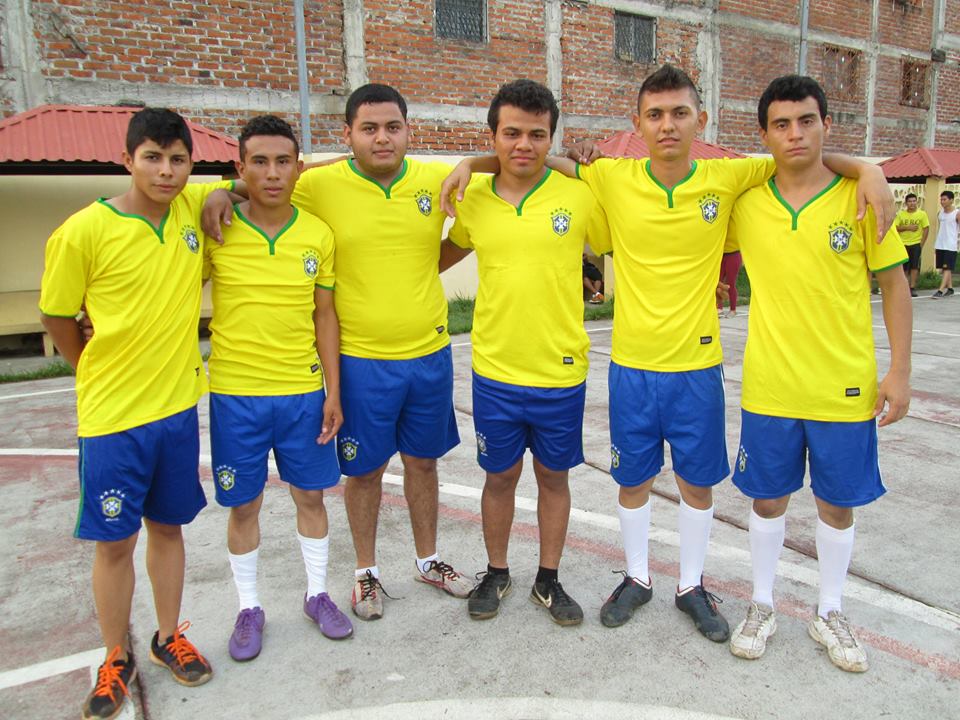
pixel 948 291
pixel 702 607
pixel 937 294
pixel 180 657
pixel 913 292
pixel 629 595
pixel 105 701
pixel 875 291
pixel 483 602
pixel 563 609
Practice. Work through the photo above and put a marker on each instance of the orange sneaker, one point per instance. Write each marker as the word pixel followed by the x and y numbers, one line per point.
pixel 106 699
pixel 180 657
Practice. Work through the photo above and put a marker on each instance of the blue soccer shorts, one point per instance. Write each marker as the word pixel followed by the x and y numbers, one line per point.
pixel 508 419
pixel 391 405
pixel 771 461
pixel 243 430
pixel 685 409
pixel 150 471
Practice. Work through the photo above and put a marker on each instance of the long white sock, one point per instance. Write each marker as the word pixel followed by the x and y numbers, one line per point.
pixel 374 570
pixel 315 553
pixel 834 549
pixel 635 530
pixel 245 577
pixel 766 543
pixel 694 526
pixel 422 562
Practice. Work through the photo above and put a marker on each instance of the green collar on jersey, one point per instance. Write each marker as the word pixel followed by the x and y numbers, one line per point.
pixel 669 191
pixel 158 231
pixel 795 214
pixel 540 182
pixel 386 190
pixel 271 241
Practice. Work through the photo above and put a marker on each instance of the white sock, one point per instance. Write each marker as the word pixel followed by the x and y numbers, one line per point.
pixel 315 553
pixel 245 577
pixel 374 570
pixel 635 529
pixel 422 562
pixel 766 543
pixel 694 526
pixel 834 549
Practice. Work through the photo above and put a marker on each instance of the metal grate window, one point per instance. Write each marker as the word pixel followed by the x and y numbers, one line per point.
pixel 841 74
pixel 634 37
pixel 461 19
pixel 914 83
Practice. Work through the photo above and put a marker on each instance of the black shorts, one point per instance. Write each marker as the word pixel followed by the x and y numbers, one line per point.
pixel 946 259
pixel 591 271
pixel 913 256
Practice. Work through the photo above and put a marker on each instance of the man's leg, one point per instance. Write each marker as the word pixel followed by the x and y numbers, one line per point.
pixel 695 519
pixel 421 490
pixel 113 582
pixel 497 504
pixel 165 566
pixel 243 544
pixel 361 496
pixel 553 512
pixel 835 535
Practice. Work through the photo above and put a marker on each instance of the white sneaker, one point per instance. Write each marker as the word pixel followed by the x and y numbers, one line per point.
pixel 749 639
pixel 842 645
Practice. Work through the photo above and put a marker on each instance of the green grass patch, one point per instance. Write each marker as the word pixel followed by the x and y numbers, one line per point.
pixel 57 368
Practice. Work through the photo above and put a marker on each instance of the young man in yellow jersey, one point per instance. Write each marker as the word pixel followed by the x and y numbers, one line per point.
pixel 913 225
pixel 528 226
pixel 134 262
pixel 396 365
pixel 809 371
pixel 274 374
pixel 668 219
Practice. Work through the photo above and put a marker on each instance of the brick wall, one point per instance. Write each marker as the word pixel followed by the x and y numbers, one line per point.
pixel 222 61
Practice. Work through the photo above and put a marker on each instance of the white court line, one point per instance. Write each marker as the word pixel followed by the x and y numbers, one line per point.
pixel 33 394
pixel 855 588
pixel 49 668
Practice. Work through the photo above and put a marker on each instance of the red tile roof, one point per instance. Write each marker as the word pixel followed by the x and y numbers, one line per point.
pixel 77 133
pixel 920 163
pixel 627 143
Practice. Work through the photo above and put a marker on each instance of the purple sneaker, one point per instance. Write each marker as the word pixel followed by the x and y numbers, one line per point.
pixel 247 638
pixel 333 623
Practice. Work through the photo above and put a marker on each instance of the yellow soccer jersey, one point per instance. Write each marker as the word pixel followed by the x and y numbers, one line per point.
pixel 912 237
pixel 809 351
pixel 141 289
pixel 528 319
pixel 263 340
pixel 667 245
pixel 389 298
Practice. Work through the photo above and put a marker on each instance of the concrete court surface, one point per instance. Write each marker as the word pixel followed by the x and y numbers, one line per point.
pixel 426 659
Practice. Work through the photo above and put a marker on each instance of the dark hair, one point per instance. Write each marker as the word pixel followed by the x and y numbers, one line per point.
pixel 792 88
pixel 948 193
pixel 370 94
pixel 668 77
pixel 162 126
pixel 527 95
pixel 267 125
pixel 910 195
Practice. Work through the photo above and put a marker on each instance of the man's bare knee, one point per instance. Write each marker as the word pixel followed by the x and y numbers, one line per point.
pixel 769 508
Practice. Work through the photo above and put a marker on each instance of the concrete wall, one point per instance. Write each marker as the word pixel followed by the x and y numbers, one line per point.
pixel 220 62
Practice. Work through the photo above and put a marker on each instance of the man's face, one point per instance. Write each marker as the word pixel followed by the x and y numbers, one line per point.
pixel 159 173
pixel 795 133
pixel 911 204
pixel 522 141
pixel 945 202
pixel 270 169
pixel 669 121
pixel 378 137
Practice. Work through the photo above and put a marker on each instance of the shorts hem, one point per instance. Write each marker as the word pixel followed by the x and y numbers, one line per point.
pixel 755 495
pixel 563 467
pixel 80 534
pixel 184 520
pixel 645 476
pixel 430 455
pixel 858 502
pixel 486 468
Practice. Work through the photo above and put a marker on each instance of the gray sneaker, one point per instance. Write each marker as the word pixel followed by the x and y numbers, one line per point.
pixel 483 602
pixel 444 577
pixel 749 638
pixel 365 600
pixel 625 599
pixel 836 635
pixel 563 609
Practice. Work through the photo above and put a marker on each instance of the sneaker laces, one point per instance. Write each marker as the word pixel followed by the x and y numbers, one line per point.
pixel 709 597
pixel 558 593
pixel 755 618
pixel 368 587
pixel 245 623
pixel 840 626
pixel 181 648
pixel 109 675
pixel 446 571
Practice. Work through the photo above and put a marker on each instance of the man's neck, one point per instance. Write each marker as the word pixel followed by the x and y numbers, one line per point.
pixel 514 189
pixel 134 202
pixel 384 179
pixel 269 219
pixel 798 185
pixel 670 172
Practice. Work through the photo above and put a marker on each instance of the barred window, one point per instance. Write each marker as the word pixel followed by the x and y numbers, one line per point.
pixel 914 83
pixel 634 37
pixel 841 73
pixel 461 19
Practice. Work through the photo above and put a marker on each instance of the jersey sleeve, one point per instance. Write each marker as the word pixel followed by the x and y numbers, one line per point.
pixel 66 273
pixel 750 172
pixel 595 174
pixel 459 234
pixel 732 243
pixel 924 221
pixel 885 255
pixel 598 231
pixel 305 189
pixel 325 274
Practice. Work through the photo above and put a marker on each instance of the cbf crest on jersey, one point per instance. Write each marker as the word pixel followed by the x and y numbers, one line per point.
pixel 311 263
pixel 189 235
pixel 349 448
pixel 840 234
pixel 561 221
pixel 111 503
pixel 709 207
pixel 614 457
pixel 226 477
pixel 481 444
pixel 424 202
